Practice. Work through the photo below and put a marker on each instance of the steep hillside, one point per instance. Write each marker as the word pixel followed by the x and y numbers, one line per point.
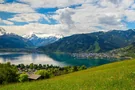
pixel 14 41
pixel 128 51
pixel 114 76
pixel 93 42
pixel 11 40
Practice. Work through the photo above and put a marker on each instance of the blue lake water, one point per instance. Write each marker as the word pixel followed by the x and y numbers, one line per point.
pixel 54 59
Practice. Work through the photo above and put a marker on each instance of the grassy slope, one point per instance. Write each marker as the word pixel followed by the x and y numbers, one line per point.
pixel 115 76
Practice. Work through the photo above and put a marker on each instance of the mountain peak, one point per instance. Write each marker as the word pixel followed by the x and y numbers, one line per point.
pixel 42 35
pixel 41 39
pixel 2 31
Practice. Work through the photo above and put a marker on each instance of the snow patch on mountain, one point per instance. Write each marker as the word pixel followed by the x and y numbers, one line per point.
pixel 42 35
pixel 41 39
pixel 2 31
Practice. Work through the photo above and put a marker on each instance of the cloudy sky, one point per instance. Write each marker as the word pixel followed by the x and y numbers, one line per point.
pixel 66 17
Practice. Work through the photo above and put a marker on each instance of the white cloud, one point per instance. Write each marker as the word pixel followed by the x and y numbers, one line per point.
pixel 112 3
pixel 64 17
pixel 130 14
pixel 110 20
pixel 16 8
pixel 1 1
pixel 52 3
pixel 36 27
pixel 6 22
pixel 127 3
pixel 90 16
pixel 93 15
pixel 133 6
pixel 28 17
pixel 116 1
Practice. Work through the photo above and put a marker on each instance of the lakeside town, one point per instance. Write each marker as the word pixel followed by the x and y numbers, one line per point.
pixel 109 55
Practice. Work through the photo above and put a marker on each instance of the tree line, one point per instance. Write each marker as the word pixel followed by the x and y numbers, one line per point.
pixel 19 73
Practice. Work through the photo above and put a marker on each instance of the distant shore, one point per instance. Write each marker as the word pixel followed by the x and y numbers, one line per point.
pixel 28 50
pixel 99 56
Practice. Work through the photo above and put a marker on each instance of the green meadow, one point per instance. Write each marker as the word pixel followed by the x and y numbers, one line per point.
pixel 114 76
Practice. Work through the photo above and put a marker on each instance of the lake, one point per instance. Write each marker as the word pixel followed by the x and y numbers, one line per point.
pixel 54 59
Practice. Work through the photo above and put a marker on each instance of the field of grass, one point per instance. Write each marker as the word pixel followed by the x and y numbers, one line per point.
pixel 115 76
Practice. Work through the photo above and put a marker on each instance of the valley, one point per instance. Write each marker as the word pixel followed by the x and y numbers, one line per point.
pixel 50 56
pixel 98 45
pixel 67 44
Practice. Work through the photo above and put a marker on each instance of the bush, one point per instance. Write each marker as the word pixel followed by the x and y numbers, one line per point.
pixel 8 73
pixel 83 67
pixel 23 77
pixel 44 73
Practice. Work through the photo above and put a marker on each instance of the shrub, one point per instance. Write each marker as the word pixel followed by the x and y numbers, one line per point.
pixel 8 73
pixel 83 67
pixel 44 73
pixel 23 77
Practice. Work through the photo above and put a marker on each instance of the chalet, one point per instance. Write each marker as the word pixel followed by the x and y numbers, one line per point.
pixel 33 76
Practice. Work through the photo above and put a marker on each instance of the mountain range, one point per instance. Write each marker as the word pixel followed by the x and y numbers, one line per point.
pixel 33 40
pixel 41 39
pixel 11 40
pixel 92 42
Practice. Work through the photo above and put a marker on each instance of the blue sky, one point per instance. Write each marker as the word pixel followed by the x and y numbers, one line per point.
pixel 66 17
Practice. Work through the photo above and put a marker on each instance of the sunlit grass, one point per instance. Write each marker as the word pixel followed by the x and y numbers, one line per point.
pixel 115 76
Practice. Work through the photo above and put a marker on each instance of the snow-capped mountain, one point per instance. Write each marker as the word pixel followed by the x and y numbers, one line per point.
pixel 2 31
pixel 41 39
pixel 11 40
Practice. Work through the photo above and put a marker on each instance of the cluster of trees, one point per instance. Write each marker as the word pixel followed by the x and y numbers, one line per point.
pixel 8 73
pixel 18 73
pixel 56 71
pixel 35 66
pixel 46 71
